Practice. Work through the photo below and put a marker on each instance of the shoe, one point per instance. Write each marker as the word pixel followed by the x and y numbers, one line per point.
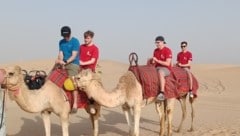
pixel 191 95
pixel 160 97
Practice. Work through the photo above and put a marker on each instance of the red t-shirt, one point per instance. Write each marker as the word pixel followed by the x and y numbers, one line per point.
pixel 86 53
pixel 184 57
pixel 163 54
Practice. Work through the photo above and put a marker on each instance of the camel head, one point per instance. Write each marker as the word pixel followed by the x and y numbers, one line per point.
pixel 11 77
pixel 84 78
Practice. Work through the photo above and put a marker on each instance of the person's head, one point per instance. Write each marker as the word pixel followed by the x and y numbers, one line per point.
pixel 184 45
pixel 65 32
pixel 160 41
pixel 88 37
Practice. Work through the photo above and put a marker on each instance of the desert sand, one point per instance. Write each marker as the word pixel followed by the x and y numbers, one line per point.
pixel 217 106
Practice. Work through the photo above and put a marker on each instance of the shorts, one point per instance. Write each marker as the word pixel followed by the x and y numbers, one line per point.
pixel 164 70
pixel 72 69
pixel 186 69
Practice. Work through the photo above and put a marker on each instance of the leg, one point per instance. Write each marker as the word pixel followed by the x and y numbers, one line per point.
pixel 137 114
pixel 75 99
pixel 182 101
pixel 160 110
pixel 190 80
pixel 128 116
pixel 94 118
pixel 162 80
pixel 64 121
pixel 46 121
pixel 162 72
pixel 170 107
pixel 191 100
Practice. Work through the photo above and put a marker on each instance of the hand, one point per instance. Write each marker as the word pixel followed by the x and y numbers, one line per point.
pixel 61 62
pixel 154 60
pixel 179 64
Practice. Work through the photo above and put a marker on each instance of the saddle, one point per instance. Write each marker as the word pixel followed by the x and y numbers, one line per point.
pixel 58 75
pixel 176 83
pixel 34 79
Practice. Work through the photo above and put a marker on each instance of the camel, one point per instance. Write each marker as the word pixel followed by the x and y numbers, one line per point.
pixel 128 94
pixel 49 98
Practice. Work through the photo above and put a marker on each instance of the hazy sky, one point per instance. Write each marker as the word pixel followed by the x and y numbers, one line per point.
pixel 31 29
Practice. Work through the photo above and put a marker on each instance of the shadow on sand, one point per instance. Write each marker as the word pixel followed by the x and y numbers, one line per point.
pixel 108 123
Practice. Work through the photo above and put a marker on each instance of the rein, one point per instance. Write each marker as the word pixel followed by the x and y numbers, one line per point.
pixel 3 108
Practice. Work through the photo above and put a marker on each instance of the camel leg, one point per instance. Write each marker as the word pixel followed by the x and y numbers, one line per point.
pixel 46 121
pixel 191 100
pixel 128 116
pixel 64 121
pixel 170 108
pixel 94 118
pixel 184 112
pixel 160 110
pixel 137 114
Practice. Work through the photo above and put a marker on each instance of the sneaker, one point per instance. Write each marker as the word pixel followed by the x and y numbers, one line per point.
pixel 160 97
pixel 191 95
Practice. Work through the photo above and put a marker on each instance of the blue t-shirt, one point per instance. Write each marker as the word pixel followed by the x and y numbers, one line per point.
pixel 67 47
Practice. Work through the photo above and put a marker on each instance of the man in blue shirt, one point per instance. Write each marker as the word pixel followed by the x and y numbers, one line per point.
pixel 68 56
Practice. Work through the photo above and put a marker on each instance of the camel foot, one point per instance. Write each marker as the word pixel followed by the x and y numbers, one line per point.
pixel 191 130
pixel 178 130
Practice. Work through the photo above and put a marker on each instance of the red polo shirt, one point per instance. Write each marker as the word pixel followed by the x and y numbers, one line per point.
pixel 163 54
pixel 184 57
pixel 86 54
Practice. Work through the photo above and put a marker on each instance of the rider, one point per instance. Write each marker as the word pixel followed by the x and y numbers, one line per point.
pixel 184 59
pixel 68 56
pixel 88 57
pixel 162 57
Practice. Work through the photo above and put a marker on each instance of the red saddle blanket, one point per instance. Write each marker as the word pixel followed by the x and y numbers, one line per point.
pixel 58 76
pixel 176 83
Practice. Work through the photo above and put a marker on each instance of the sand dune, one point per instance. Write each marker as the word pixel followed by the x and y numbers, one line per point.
pixel 217 107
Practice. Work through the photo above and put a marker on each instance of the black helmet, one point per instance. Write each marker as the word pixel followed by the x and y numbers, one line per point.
pixel 65 31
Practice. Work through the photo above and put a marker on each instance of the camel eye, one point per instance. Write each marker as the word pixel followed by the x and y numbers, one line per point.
pixel 10 73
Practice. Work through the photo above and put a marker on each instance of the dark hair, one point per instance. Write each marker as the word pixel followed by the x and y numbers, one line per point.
pixel 184 42
pixel 65 31
pixel 89 33
pixel 160 38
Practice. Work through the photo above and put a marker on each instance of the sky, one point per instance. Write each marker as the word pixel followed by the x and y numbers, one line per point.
pixel 30 30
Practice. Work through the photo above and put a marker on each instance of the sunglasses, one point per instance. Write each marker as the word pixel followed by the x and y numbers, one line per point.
pixel 183 46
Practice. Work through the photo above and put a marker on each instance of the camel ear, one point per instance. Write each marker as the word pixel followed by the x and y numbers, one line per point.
pixel 18 69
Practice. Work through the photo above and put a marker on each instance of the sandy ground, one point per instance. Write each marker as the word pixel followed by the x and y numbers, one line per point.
pixel 217 107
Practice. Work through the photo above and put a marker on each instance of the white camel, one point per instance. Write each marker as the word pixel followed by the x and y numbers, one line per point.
pixel 128 94
pixel 49 98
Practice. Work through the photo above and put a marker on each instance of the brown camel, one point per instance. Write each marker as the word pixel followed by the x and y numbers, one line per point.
pixel 49 98
pixel 128 94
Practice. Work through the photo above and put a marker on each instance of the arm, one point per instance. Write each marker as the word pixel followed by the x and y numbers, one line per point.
pixel 185 65
pixel 88 62
pixel 74 55
pixel 60 58
pixel 165 63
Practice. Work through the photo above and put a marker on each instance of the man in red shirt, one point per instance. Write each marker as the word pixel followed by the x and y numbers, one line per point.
pixel 184 59
pixel 88 57
pixel 88 52
pixel 162 57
